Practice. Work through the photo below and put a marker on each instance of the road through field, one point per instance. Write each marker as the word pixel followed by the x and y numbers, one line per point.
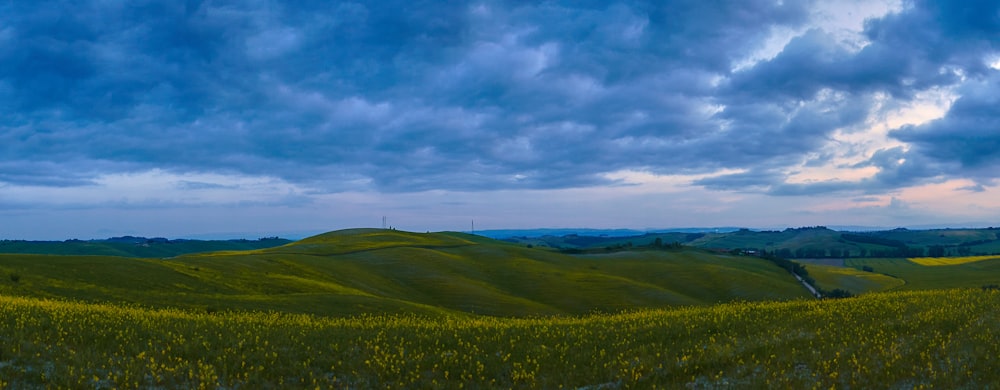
pixel 808 286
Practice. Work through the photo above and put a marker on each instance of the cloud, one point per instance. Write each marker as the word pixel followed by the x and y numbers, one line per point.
pixel 973 188
pixel 923 46
pixel 408 97
pixel 431 97
pixel 198 185
pixel 967 137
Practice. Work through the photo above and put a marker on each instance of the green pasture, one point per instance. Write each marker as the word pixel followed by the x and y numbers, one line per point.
pixel 368 270
pixel 922 277
pixel 853 280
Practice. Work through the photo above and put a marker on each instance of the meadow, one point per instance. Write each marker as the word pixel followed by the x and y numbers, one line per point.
pixel 939 339
pixel 387 309
pixel 362 271
pixel 853 280
pixel 972 274
pixel 937 261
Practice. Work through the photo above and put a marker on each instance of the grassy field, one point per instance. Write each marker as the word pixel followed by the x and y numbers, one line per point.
pixel 935 261
pixel 388 309
pixel 930 339
pixel 922 277
pixel 376 271
pixel 850 279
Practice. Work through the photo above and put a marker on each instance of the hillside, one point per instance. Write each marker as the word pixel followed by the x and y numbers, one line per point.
pixel 369 308
pixel 371 270
pixel 806 242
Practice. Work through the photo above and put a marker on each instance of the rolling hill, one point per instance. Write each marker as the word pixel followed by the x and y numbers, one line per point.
pixel 371 270
pixel 805 242
pixel 392 309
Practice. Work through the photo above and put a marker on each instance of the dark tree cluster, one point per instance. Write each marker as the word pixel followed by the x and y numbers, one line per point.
pixel 836 294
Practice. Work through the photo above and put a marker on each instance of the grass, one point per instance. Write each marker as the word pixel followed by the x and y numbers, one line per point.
pixel 854 280
pixel 358 240
pixel 938 261
pixel 931 339
pixel 367 270
pixel 921 277
pixel 702 276
pixel 470 312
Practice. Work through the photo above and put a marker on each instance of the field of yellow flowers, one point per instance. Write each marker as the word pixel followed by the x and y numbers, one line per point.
pixel 941 339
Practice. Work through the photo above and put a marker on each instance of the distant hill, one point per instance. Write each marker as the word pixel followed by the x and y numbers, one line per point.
pixel 805 242
pixel 129 246
pixel 376 271
pixel 556 232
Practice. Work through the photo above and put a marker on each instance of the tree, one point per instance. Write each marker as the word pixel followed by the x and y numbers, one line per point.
pixel 935 251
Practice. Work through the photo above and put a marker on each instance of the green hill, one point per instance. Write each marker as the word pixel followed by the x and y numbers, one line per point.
pixel 377 271
pixel 115 321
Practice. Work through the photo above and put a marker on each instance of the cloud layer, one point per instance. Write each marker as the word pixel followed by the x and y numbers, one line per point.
pixel 414 96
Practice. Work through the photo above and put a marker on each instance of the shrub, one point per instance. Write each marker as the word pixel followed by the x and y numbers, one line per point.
pixel 15 277
pixel 837 293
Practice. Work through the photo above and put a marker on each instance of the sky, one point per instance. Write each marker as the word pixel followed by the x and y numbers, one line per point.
pixel 260 118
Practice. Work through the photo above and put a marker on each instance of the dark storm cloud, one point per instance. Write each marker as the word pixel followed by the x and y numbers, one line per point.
pixel 408 96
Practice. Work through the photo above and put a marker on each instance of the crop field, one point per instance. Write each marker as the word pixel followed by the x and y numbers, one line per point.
pixel 921 277
pixel 935 261
pixel 856 281
pixel 942 339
